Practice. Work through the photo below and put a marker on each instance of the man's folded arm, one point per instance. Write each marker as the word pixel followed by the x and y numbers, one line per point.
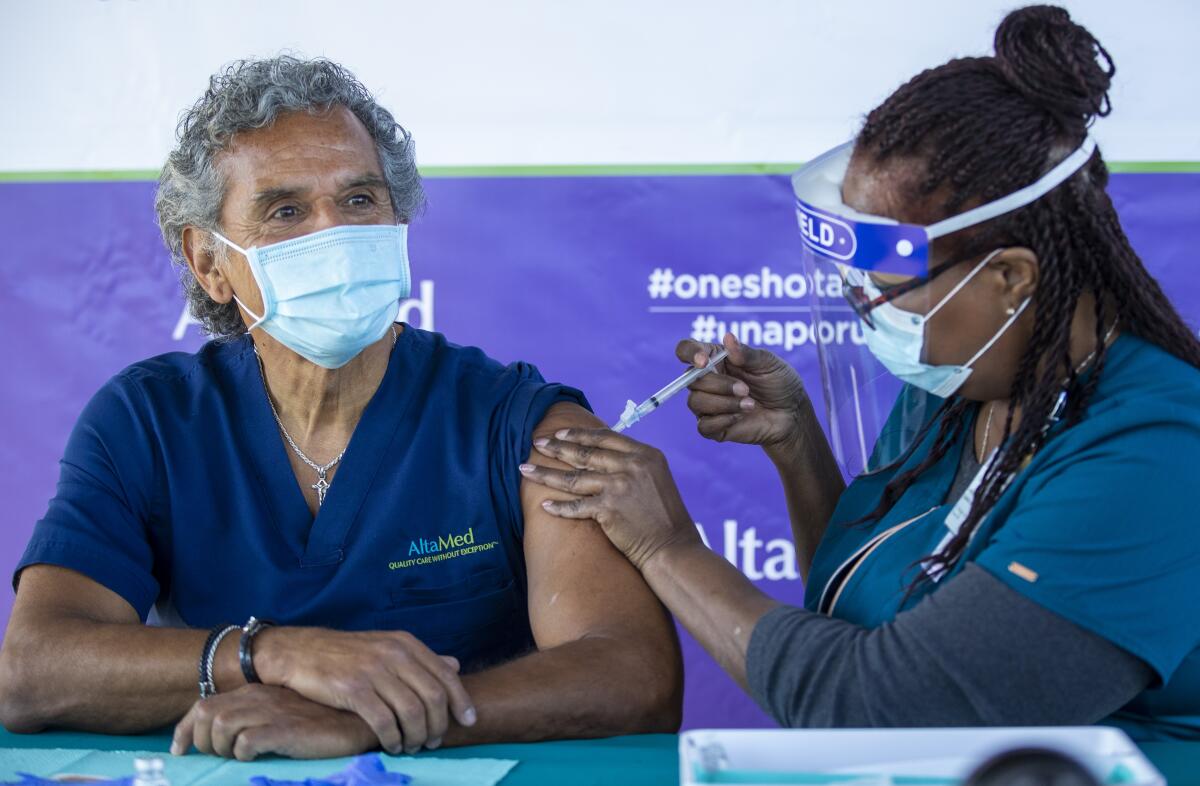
pixel 77 655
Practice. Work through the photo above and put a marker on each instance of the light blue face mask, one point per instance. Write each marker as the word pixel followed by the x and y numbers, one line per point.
pixel 329 295
pixel 898 340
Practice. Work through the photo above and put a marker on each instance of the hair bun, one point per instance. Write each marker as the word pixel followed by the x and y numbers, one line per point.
pixel 1055 63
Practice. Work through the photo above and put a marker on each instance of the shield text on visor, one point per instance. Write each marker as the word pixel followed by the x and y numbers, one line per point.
pixel 873 416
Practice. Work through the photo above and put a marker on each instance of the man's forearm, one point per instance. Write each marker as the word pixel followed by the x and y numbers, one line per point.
pixel 594 687
pixel 812 485
pixel 105 677
pixel 130 678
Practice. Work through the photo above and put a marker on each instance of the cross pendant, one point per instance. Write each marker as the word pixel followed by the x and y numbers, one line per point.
pixel 321 487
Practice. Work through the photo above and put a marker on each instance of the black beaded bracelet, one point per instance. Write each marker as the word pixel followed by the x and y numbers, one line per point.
pixel 208 686
pixel 253 627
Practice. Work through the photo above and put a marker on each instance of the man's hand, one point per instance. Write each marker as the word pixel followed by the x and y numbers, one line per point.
pixel 403 691
pixel 259 719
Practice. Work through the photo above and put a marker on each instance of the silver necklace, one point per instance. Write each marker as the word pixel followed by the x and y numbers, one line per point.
pixel 987 430
pixel 322 485
pixel 987 426
pixel 1108 335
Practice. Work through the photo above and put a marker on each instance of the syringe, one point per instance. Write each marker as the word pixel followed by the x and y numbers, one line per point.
pixel 635 412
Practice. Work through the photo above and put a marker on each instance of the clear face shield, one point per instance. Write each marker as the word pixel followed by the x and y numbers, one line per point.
pixel 870 305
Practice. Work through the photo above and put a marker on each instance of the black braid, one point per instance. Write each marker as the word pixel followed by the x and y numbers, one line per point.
pixel 984 127
pixel 949 419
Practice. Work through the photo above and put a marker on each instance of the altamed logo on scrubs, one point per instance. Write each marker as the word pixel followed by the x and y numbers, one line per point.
pixel 422 546
pixel 425 551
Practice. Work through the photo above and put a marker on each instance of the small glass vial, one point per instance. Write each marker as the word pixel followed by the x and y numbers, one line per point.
pixel 149 771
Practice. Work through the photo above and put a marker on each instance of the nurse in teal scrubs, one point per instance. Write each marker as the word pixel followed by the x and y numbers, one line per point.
pixel 1018 410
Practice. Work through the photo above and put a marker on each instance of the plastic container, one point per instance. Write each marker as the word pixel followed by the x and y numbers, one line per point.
pixel 900 757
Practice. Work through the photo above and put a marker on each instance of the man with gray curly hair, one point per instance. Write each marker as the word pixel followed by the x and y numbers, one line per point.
pixel 355 481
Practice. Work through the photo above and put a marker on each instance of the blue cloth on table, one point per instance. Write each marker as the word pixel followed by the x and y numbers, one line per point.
pixel 363 771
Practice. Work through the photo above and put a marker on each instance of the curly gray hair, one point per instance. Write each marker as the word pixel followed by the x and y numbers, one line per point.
pixel 250 94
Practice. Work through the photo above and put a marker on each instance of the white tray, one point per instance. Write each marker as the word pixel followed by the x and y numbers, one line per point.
pixel 801 756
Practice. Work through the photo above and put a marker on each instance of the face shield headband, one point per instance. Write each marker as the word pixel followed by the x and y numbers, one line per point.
pixel 839 233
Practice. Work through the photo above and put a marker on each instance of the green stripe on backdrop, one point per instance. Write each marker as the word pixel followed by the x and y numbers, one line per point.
pixel 1152 167
pixel 568 170
pixel 80 176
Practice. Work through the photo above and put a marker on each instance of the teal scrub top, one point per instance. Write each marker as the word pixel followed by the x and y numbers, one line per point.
pixel 1099 528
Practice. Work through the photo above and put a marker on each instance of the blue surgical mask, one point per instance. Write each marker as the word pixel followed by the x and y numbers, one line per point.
pixel 898 341
pixel 329 295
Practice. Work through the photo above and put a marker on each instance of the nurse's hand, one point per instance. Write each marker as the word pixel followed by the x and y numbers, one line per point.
pixel 754 396
pixel 402 689
pixel 256 720
pixel 625 486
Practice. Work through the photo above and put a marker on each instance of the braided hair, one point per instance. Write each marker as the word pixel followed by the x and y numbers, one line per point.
pixel 979 128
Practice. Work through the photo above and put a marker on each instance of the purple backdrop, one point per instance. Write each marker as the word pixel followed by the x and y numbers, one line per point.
pixel 592 279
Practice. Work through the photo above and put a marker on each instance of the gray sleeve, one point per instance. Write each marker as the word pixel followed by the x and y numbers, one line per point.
pixel 974 653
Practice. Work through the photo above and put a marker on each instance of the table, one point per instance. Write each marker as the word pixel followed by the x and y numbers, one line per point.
pixel 640 760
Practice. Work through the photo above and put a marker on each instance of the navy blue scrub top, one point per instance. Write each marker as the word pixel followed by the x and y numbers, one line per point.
pixel 176 493
pixel 1099 528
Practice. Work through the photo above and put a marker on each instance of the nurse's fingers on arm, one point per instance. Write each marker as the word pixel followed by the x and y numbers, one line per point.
pixel 571 481
pixel 702 404
pixel 181 740
pixel 581 456
pixel 578 508
pixel 599 438
pixel 716 427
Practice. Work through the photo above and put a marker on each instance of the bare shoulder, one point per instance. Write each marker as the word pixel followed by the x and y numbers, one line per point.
pixel 541 528
pixel 579 583
pixel 564 414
